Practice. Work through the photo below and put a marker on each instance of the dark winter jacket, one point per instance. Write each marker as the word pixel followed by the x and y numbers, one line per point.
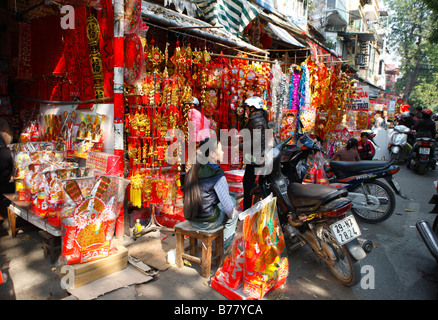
pixel 208 176
pixel 257 120
pixel 425 128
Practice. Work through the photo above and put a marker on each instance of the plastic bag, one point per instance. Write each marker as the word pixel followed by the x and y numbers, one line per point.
pixel 258 261
pixel 316 172
pixel 89 216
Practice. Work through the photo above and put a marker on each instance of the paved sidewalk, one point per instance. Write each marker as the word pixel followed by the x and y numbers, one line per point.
pixel 30 276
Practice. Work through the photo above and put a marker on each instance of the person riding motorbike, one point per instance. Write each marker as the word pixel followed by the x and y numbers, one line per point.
pixel 425 128
pixel 257 115
pixel 418 113
pixel 406 119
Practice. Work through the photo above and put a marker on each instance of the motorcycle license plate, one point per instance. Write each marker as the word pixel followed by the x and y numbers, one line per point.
pixel 345 230
pixel 424 150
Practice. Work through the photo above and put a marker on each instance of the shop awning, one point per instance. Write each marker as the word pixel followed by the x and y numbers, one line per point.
pixel 287 25
pixel 233 15
pixel 170 18
pixel 284 35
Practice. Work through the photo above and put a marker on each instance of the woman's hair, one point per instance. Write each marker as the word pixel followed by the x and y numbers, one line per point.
pixel 364 134
pixel 192 206
pixel 352 143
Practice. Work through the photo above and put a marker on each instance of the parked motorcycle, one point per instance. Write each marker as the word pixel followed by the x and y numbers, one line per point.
pixel 430 234
pixel 315 215
pixel 397 142
pixel 373 200
pixel 422 155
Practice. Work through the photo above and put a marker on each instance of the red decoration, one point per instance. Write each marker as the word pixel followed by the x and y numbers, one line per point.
pixel 266 40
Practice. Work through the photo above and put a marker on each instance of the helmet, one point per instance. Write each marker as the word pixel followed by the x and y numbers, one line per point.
pixel 405 115
pixel 194 101
pixel 255 102
pixel 427 111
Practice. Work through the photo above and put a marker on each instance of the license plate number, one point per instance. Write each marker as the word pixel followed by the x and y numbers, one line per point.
pixel 424 150
pixel 345 230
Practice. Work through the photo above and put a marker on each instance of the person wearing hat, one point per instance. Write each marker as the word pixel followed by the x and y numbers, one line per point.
pixel 257 116
pixel 406 119
pixel 199 128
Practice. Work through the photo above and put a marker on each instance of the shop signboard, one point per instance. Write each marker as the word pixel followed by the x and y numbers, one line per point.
pixel 361 99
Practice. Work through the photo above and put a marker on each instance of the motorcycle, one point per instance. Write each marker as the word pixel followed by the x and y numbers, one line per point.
pixel 397 142
pixel 430 234
pixel 422 155
pixel 373 201
pixel 315 215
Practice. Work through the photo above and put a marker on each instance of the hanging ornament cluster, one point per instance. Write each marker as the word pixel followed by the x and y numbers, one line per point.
pixel 247 80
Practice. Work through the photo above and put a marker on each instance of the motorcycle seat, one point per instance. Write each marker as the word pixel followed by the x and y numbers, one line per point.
pixel 358 166
pixel 312 196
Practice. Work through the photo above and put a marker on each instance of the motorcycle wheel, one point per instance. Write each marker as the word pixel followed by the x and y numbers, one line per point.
pixel 394 156
pixel 338 259
pixel 421 169
pixel 387 202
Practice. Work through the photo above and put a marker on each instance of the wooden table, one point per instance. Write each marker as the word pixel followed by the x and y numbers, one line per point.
pixel 24 211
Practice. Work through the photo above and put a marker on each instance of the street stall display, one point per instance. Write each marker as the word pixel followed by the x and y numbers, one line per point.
pixel 82 201
pixel 89 216
pixel 258 261
pixel 160 79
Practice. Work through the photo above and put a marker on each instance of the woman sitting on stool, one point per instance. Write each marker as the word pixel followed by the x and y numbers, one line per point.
pixel 207 202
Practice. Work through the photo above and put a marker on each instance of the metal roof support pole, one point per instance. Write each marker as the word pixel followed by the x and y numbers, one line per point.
pixel 119 16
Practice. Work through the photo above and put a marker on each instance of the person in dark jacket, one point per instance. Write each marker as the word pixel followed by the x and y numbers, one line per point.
pixel 406 119
pixel 207 202
pixel 257 119
pixel 425 128
pixel 418 114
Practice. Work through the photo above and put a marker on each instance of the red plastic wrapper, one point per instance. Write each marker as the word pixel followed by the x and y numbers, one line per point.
pixel 89 216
